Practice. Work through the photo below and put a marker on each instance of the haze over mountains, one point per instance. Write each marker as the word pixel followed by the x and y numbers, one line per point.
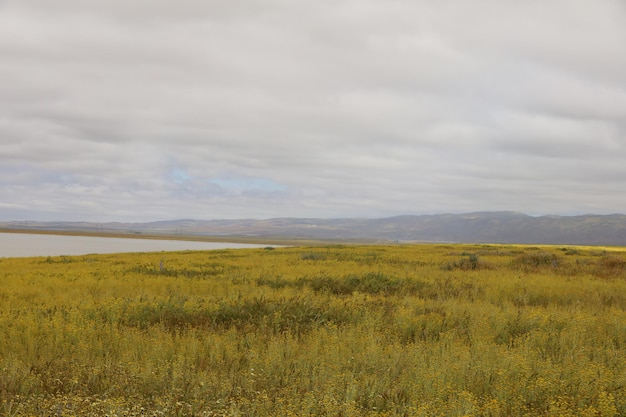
pixel 487 227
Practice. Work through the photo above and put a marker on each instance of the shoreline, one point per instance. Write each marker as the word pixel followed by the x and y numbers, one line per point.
pixel 259 240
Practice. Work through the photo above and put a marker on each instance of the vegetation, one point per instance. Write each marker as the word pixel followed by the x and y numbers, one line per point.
pixel 403 330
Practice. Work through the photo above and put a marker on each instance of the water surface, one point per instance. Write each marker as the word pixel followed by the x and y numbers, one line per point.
pixel 24 244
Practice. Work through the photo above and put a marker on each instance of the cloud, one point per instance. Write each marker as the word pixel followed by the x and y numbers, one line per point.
pixel 157 109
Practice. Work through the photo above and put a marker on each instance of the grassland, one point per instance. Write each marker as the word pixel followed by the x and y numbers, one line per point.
pixel 415 330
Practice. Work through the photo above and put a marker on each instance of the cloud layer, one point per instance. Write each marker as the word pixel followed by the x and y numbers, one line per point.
pixel 150 110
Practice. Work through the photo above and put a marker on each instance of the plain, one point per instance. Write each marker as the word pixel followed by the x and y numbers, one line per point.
pixel 395 330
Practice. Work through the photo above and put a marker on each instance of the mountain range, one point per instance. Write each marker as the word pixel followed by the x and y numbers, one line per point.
pixel 479 227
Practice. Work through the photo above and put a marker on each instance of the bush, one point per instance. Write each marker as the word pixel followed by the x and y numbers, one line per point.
pixel 472 262
pixel 534 261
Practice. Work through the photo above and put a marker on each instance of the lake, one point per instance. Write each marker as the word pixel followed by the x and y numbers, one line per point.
pixel 24 245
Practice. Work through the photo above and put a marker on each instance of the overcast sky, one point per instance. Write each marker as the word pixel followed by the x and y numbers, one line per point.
pixel 160 109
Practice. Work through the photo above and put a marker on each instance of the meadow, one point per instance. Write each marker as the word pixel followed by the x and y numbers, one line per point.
pixel 396 330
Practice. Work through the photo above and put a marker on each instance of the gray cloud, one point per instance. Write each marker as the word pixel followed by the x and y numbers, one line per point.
pixel 157 109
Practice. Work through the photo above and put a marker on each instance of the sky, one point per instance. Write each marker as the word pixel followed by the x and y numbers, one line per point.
pixel 148 110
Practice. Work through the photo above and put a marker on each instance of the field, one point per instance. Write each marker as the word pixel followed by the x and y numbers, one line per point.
pixel 398 330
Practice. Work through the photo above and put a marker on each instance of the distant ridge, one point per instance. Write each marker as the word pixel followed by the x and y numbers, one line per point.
pixel 478 227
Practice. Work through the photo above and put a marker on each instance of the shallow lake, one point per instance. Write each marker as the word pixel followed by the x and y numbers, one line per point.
pixel 23 245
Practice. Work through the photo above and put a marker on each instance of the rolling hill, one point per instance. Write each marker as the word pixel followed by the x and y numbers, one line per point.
pixel 487 227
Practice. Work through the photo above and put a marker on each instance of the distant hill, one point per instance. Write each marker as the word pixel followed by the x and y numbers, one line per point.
pixel 487 227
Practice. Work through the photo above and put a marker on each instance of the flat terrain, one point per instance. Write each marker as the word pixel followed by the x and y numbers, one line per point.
pixel 269 240
pixel 397 330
